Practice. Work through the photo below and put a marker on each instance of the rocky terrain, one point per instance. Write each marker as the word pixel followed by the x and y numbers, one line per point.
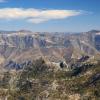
pixel 40 80
pixel 49 66
pixel 23 45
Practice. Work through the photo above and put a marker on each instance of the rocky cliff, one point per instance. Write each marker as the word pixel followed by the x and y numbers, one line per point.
pixel 26 45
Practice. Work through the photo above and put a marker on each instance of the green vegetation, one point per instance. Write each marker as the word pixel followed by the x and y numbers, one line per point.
pixel 39 81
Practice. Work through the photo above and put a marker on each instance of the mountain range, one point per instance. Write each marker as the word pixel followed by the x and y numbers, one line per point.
pixel 49 66
pixel 24 45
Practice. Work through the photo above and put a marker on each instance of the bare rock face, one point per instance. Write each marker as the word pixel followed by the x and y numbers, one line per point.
pixel 74 97
pixel 26 45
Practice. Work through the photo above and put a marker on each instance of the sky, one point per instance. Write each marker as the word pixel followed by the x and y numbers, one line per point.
pixel 50 15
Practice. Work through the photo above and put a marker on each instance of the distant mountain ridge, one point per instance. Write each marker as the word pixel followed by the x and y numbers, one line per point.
pixel 26 45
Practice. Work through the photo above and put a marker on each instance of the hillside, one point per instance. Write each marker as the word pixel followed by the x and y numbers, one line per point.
pixel 23 45
pixel 49 66
pixel 41 81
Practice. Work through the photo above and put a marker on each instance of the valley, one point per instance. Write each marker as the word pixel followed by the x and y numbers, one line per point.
pixel 49 66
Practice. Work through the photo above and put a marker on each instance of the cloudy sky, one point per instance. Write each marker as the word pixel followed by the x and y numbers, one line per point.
pixel 50 15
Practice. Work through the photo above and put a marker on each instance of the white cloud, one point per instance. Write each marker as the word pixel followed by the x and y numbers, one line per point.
pixel 36 15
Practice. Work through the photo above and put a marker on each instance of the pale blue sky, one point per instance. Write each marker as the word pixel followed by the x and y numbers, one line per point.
pixel 50 15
